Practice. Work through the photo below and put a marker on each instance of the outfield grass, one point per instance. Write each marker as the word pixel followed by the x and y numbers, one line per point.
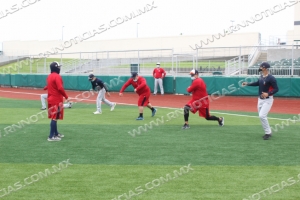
pixel 230 162
pixel 27 68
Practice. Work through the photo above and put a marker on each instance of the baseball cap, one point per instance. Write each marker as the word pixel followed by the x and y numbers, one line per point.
pixel 193 72
pixel 91 76
pixel 134 74
pixel 158 63
pixel 55 64
pixel 265 65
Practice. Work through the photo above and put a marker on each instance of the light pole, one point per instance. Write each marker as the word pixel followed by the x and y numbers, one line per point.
pixel 137 30
pixel 137 35
pixel 62 40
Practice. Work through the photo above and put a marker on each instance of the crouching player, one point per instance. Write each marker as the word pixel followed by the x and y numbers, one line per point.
pixel 199 101
pixel 141 88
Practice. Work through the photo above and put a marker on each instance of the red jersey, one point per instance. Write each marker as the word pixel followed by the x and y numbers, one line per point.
pixel 159 72
pixel 198 89
pixel 55 88
pixel 140 85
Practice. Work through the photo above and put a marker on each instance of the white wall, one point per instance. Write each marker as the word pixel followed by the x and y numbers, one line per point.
pixel 180 44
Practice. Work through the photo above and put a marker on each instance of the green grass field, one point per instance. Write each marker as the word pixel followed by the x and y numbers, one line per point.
pixel 27 68
pixel 230 162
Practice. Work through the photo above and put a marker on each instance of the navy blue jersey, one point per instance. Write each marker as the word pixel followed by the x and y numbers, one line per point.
pixel 98 83
pixel 266 84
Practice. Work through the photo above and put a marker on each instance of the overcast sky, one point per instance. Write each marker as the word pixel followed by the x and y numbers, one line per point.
pixel 44 19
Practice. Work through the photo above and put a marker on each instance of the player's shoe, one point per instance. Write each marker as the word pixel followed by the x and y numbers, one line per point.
pixel 153 112
pixel 60 135
pixel 97 113
pixel 70 105
pixel 221 123
pixel 140 118
pixel 113 107
pixel 267 136
pixel 54 139
pixel 43 108
pixel 185 126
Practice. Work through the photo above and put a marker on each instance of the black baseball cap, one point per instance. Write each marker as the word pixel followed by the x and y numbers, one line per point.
pixel 55 64
pixel 134 74
pixel 91 76
pixel 265 65
pixel 193 72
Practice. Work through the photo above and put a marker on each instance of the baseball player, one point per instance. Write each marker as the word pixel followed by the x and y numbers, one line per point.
pixel 98 85
pixel 267 88
pixel 158 74
pixel 45 96
pixel 56 93
pixel 199 101
pixel 141 88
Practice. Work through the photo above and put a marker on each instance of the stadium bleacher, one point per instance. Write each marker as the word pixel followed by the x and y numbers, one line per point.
pixel 282 67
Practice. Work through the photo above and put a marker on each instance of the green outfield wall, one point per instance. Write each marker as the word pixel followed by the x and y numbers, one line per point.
pixel 217 85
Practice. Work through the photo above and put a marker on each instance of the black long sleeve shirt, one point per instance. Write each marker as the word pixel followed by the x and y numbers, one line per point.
pixel 98 82
pixel 266 84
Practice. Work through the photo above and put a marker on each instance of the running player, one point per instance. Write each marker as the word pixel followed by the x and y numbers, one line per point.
pixel 56 93
pixel 199 101
pixel 141 88
pixel 45 96
pixel 102 89
pixel 267 88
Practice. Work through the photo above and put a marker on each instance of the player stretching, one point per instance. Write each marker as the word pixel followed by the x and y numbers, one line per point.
pixel 267 88
pixel 141 88
pixel 56 93
pixel 102 89
pixel 199 101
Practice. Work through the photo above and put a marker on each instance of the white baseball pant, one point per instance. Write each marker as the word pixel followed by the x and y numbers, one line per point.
pixel 43 100
pixel 264 106
pixel 101 98
pixel 160 82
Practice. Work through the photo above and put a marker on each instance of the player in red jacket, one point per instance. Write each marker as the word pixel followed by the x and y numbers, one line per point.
pixel 158 74
pixel 141 88
pixel 56 93
pixel 199 101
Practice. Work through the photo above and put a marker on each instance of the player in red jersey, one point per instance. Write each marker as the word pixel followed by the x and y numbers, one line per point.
pixel 56 93
pixel 199 101
pixel 141 88
pixel 159 74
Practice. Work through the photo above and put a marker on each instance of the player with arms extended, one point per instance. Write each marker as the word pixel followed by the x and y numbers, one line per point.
pixel 141 88
pixel 199 101
pixel 267 88
pixel 102 89
pixel 56 93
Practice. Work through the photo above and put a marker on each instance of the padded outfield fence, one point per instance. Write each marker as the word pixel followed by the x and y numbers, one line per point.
pixel 216 85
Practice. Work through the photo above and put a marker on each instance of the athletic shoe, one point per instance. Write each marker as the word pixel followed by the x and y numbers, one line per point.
pixel 60 135
pixel 185 126
pixel 267 136
pixel 43 108
pixel 97 112
pixel 221 123
pixel 54 139
pixel 113 107
pixel 153 112
pixel 140 118
pixel 154 94
pixel 70 105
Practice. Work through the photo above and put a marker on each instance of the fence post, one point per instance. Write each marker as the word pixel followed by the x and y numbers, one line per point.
pixel 240 60
pixel 197 60
pixel 293 59
pixel 172 59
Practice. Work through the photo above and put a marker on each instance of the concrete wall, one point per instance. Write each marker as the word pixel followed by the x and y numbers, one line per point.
pixel 180 44
pixel 278 54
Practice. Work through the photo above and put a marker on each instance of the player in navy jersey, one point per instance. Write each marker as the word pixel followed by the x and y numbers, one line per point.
pixel 267 88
